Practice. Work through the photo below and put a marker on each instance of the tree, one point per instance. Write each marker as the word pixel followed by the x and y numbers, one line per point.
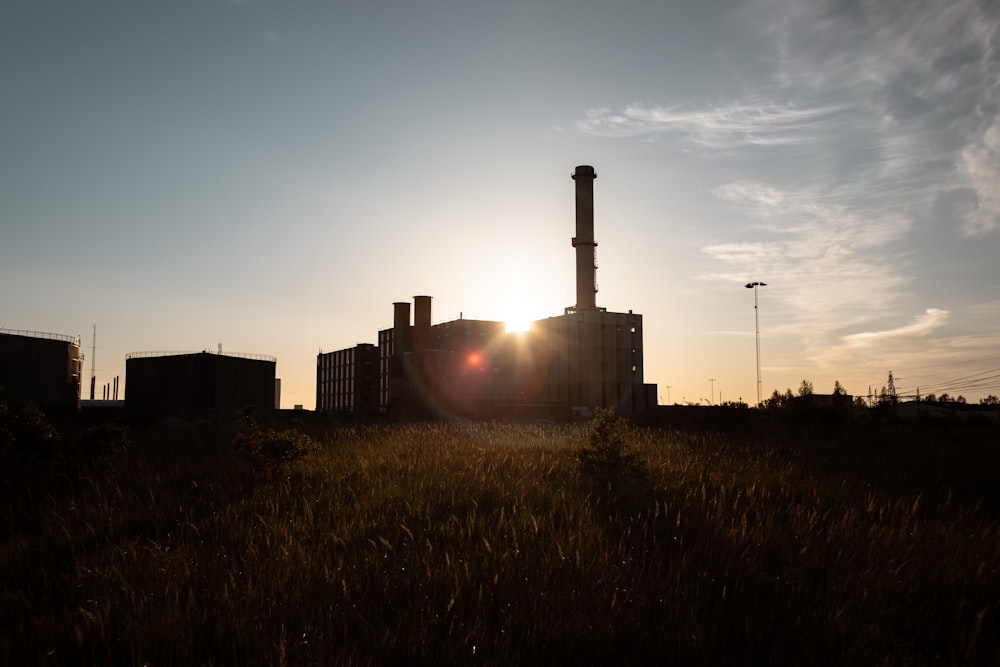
pixel 989 400
pixel 806 388
pixel 778 401
pixel 840 397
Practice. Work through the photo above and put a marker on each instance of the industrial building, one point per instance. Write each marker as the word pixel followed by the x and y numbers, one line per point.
pixel 580 360
pixel 197 384
pixel 40 368
pixel 348 380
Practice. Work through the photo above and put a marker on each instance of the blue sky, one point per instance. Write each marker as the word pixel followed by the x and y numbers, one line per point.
pixel 271 176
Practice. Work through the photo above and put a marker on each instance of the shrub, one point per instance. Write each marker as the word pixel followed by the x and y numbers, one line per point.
pixel 617 475
pixel 102 441
pixel 267 449
pixel 26 431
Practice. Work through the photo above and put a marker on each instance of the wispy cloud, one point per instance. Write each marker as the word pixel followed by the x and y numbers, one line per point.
pixel 929 72
pixel 921 326
pixel 821 255
pixel 980 165
pixel 900 98
pixel 739 123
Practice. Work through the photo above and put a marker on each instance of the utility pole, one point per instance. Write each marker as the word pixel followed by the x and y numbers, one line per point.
pixel 711 392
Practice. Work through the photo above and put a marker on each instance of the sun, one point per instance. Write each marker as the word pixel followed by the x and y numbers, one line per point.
pixel 522 301
pixel 517 324
pixel 518 314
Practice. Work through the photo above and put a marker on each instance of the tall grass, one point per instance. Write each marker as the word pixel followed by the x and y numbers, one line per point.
pixel 478 543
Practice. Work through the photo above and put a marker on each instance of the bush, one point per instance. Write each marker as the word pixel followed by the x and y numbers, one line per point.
pixel 26 431
pixel 102 441
pixel 268 449
pixel 617 475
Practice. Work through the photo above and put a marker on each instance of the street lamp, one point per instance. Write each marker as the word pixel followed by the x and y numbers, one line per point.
pixel 756 319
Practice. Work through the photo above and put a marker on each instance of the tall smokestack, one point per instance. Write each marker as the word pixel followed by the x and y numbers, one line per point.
pixel 586 269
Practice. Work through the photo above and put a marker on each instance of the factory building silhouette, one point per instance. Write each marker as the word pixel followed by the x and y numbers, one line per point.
pixel 583 359
pixel 40 368
pixel 199 384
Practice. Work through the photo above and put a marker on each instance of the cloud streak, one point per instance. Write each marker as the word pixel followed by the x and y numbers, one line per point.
pixel 740 123
pixel 921 326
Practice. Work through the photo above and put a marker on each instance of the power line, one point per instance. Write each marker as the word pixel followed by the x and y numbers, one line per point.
pixel 983 381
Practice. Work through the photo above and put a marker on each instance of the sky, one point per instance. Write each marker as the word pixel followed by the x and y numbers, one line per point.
pixel 270 176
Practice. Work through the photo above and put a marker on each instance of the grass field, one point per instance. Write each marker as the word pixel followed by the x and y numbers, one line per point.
pixel 485 544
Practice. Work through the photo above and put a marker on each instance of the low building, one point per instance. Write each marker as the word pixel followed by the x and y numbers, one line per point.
pixel 198 383
pixel 40 368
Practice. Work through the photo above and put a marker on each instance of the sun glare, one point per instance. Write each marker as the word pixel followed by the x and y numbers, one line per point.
pixel 518 315
pixel 517 324
pixel 522 303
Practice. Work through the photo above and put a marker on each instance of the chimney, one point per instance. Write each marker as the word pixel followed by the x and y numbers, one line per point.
pixel 421 323
pixel 401 328
pixel 400 352
pixel 421 334
pixel 586 268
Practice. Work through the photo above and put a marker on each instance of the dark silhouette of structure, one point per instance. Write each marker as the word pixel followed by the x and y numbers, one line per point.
pixel 348 380
pixel 199 384
pixel 40 368
pixel 586 253
pixel 580 360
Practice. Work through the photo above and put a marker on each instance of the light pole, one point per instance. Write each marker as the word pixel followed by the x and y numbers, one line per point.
pixel 756 320
pixel 711 391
